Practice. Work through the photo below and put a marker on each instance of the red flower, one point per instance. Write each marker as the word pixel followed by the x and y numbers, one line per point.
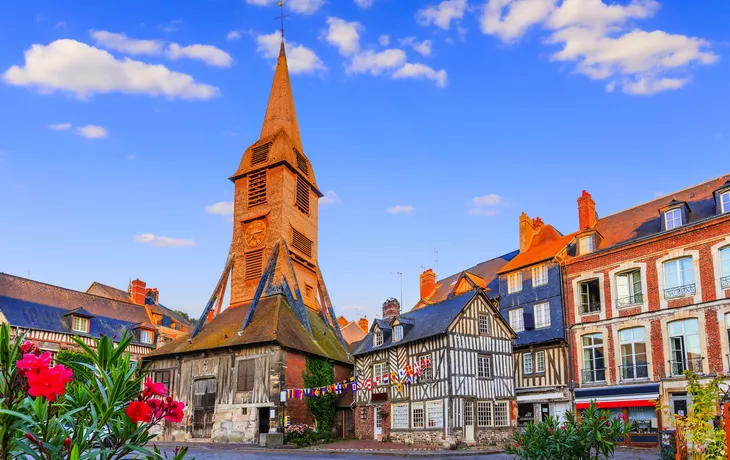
pixel 157 407
pixel 624 417
pixel 27 347
pixel 31 362
pixel 517 444
pixel 138 411
pixel 175 411
pixel 67 444
pixel 49 383
pixel 153 389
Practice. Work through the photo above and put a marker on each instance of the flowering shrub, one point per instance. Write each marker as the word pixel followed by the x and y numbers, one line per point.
pixel 301 435
pixel 46 414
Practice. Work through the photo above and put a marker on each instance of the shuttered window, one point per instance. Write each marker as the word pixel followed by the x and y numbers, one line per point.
pixel 254 264
pixel 302 163
pixel 257 188
pixel 246 373
pixel 301 243
pixel 260 154
pixel 302 195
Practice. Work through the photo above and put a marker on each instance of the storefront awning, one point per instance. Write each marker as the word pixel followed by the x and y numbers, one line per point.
pixel 618 396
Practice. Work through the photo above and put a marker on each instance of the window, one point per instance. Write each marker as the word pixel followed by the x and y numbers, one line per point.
pixel 400 416
pixel 435 414
pixel 380 369
pixel 725 202
pixel 527 363
pixel 301 243
pixel 260 154
pixel 628 289
pixel 540 362
pixel 684 341
pixel 417 415
pixel 246 373
pixel 484 322
pixel 80 324
pixel 254 262
pixel 302 200
pixel 633 353
pixel 514 282
pixel 427 372
pixel 146 336
pixel 164 377
pixel 542 315
pixel 679 278
pixel 257 188
pixel 539 275
pixel 484 413
pixel 672 218
pixel 397 333
pixel 516 320
pixel 377 338
pixel 725 266
pixel 484 366
pixel 501 414
pixel 586 244
pixel 594 368
pixel 590 297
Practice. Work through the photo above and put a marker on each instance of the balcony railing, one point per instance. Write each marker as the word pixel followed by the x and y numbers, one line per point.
pixel 594 375
pixel 634 371
pixel 590 307
pixel 677 368
pixel 630 300
pixel 680 291
pixel 725 282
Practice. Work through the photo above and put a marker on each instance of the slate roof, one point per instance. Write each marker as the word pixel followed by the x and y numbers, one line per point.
pixel 486 270
pixel 33 305
pixel 426 322
pixel 544 246
pixel 273 321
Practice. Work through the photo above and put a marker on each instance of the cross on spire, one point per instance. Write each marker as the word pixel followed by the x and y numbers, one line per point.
pixel 281 17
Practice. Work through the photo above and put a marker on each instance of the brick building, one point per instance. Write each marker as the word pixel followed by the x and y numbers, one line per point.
pixel 648 297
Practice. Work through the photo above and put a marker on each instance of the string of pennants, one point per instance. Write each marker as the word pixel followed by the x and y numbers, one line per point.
pixel 404 376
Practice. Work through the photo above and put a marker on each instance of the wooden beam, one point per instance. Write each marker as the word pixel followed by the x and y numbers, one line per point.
pixel 211 302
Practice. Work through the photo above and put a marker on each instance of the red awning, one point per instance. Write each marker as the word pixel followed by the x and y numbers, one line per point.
pixel 615 404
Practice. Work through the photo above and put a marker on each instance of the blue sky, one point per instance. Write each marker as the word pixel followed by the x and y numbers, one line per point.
pixel 122 121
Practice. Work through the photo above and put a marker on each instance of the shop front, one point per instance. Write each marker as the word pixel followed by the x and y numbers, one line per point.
pixel 536 407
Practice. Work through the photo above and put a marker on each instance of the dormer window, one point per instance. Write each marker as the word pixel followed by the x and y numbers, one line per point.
pixel 586 245
pixel 146 336
pixel 80 324
pixel 398 333
pixel 672 218
pixel 725 202
pixel 377 338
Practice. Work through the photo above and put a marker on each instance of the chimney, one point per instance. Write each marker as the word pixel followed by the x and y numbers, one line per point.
pixel 342 321
pixel 139 291
pixel 363 323
pixel 391 308
pixel 586 211
pixel 527 231
pixel 153 294
pixel 428 283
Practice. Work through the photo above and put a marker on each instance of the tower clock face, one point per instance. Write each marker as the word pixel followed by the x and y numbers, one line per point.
pixel 255 233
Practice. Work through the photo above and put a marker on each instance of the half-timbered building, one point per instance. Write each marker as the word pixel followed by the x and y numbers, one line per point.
pixel 467 393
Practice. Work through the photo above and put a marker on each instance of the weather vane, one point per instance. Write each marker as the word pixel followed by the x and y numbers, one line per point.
pixel 281 17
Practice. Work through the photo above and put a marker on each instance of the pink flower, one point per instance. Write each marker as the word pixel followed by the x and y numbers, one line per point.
pixel 49 382
pixel 26 347
pixel 139 411
pixel 153 389
pixel 175 411
pixel 157 407
pixel 31 362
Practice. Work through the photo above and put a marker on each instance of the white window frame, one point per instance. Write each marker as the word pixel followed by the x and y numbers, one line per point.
pixel 725 202
pixel 676 215
pixel 502 407
pixel 427 373
pixel 383 366
pixel 145 333
pixel 484 326
pixel 484 369
pixel 630 287
pixel 680 278
pixel 517 319
pixel 514 282
pixel 540 362
pixel 435 414
pixel 82 320
pixel 539 275
pixel 527 363
pixel 377 338
pixel 543 319
pixel 724 254
pixel 394 419
pixel 484 404
pixel 398 333
pixel 586 245
pixel 415 407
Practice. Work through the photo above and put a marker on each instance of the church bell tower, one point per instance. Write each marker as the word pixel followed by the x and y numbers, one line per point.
pixel 276 199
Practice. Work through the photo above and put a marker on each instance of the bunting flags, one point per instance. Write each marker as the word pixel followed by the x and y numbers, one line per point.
pixel 407 375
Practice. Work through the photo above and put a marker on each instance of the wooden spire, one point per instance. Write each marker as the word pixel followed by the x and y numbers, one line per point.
pixel 280 113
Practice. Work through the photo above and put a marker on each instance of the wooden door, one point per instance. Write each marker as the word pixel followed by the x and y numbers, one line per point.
pixel 204 393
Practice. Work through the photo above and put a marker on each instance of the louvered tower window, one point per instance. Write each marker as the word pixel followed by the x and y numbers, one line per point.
pixel 254 263
pixel 301 243
pixel 302 163
pixel 257 188
pixel 302 195
pixel 260 154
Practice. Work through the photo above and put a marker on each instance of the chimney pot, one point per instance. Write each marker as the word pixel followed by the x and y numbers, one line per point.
pixel 586 211
pixel 527 231
pixel 363 323
pixel 342 321
pixel 428 283
pixel 139 291
pixel 391 308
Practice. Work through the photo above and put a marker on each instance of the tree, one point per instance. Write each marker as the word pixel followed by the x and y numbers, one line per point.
pixel 186 317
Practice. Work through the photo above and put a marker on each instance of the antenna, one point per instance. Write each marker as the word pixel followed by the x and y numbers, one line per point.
pixel 401 287
pixel 281 17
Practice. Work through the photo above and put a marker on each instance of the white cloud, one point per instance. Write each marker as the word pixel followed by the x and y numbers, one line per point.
pixel 486 205
pixel 364 3
pixel 384 40
pixel 423 48
pixel 422 71
pixel 343 35
pixel 120 42
pixel 299 58
pixel 330 197
pixel 401 209
pixel 83 70
pixel 296 6
pixel 233 35
pixel 59 126
pixel 207 53
pixel 443 14
pixel 91 132
pixel 595 36
pixel 224 208
pixel 162 241
pixel 375 63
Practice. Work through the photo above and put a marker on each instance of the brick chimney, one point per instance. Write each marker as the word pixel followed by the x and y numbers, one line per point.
pixel 428 283
pixel 139 291
pixel 586 211
pixel 527 231
pixel 363 323
pixel 342 321
pixel 153 294
pixel 391 308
